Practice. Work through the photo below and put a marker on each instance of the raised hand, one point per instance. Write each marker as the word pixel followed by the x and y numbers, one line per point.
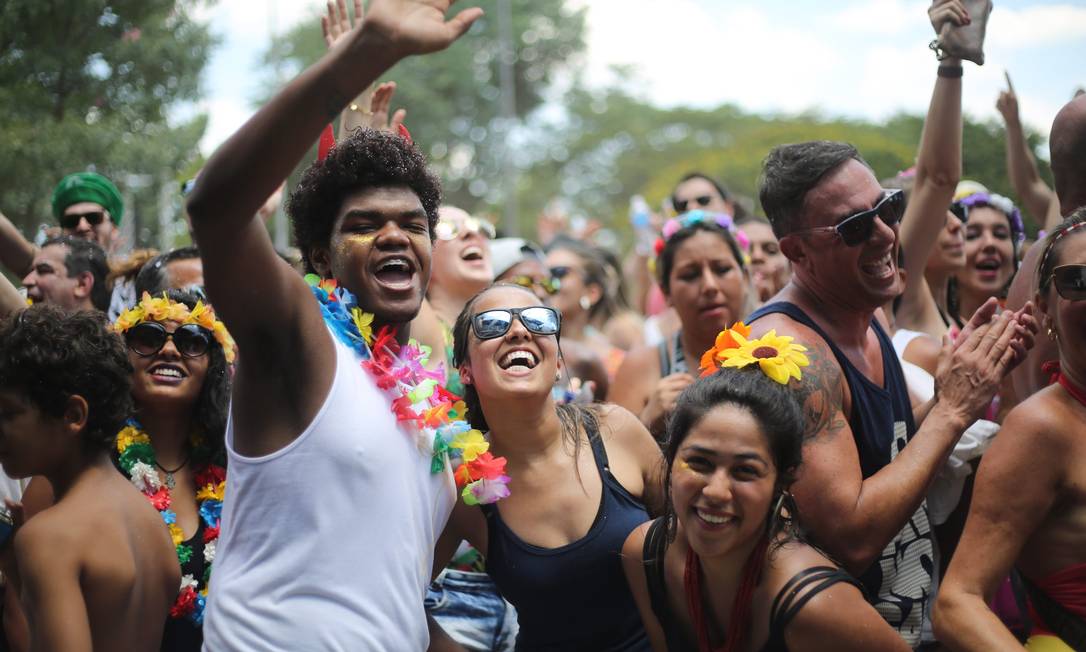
pixel 338 22
pixel 1007 104
pixel 405 27
pixel 942 11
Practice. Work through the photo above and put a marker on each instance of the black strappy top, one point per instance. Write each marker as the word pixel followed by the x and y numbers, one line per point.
pixel 574 597
pixel 810 582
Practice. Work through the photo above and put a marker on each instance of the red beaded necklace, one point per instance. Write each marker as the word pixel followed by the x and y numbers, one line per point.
pixel 1052 367
pixel 740 613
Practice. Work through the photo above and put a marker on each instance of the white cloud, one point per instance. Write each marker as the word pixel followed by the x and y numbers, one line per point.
pixel 1040 25
pixel 225 115
pixel 887 17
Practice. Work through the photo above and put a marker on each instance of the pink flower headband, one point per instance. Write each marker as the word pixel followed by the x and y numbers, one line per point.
pixel 690 218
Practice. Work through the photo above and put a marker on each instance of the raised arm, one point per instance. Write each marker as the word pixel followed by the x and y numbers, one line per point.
pixel 1035 194
pixel 266 305
pixel 938 169
pixel 10 299
pixel 16 252
pixel 851 517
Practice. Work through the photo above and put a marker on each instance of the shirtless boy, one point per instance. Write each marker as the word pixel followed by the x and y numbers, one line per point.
pixel 97 570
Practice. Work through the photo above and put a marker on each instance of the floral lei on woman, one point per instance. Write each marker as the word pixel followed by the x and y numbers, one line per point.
pixel 774 354
pixel 438 415
pixel 136 458
pixel 164 309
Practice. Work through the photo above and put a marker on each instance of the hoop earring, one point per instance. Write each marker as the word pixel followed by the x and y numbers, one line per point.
pixel 585 302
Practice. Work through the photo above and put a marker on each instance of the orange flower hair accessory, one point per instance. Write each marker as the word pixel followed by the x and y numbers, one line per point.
pixel 774 354
pixel 165 309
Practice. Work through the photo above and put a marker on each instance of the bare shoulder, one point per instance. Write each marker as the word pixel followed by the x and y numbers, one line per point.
pixel 1040 426
pixel 636 377
pixel 633 548
pixel 619 423
pixel 48 536
pixel 833 617
pixel 923 351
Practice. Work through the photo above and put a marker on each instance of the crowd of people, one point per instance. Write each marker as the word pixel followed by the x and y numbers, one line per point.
pixel 853 423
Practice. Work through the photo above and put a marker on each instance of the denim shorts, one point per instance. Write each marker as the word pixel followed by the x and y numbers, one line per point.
pixel 470 610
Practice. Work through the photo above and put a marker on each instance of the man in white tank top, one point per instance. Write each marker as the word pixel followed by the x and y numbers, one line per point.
pixel 331 509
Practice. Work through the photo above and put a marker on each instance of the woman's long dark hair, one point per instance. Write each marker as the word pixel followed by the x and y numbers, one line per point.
pixel 774 407
pixel 570 415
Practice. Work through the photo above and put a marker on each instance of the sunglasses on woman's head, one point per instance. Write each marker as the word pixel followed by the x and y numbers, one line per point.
pixel 451 230
pixel 549 285
pixel 71 220
pixel 701 200
pixel 540 320
pixel 148 338
pixel 1070 281
pixel 856 229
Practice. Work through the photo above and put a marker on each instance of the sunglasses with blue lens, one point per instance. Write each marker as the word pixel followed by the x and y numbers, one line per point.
pixel 856 229
pixel 540 320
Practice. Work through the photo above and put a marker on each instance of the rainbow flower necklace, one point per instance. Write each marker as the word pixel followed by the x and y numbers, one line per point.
pixel 136 458
pixel 437 416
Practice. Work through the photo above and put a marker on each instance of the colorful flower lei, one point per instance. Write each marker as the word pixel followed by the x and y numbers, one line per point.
pixel 136 458
pixel 165 309
pixel 438 415
pixel 774 354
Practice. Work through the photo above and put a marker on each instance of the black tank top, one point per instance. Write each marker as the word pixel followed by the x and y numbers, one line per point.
pixel 784 608
pixel 574 597
pixel 899 583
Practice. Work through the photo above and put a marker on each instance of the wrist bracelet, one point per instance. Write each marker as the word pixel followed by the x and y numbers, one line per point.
pixel 954 72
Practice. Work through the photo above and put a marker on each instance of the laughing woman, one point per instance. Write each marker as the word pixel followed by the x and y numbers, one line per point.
pixel 579 480
pixel 173 449
pixel 724 569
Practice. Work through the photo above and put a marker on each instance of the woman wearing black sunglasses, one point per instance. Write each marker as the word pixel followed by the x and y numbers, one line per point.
pixel 181 389
pixel 579 479
pixel 1028 505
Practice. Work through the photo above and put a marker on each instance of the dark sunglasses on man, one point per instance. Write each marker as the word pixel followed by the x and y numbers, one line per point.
pixel 701 200
pixel 856 229
pixel 71 220
pixel 540 320
pixel 1070 281
pixel 549 285
pixel 148 338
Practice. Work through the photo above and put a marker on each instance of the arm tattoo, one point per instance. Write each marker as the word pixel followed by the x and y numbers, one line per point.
pixel 821 395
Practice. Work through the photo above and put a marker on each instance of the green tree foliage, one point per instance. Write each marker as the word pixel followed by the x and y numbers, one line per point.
pixel 89 84
pixel 452 98
pixel 610 145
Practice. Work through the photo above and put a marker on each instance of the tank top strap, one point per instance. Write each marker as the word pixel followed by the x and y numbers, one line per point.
pixel 652 556
pixel 789 601
pixel 599 451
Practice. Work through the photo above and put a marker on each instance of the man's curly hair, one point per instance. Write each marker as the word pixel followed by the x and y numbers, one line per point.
pixel 49 355
pixel 367 159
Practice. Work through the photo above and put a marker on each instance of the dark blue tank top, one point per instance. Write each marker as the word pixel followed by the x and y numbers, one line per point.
pixel 574 597
pixel 874 409
pixel 899 583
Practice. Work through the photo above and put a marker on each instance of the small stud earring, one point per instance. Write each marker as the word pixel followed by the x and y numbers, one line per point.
pixel 1053 334
pixel 585 302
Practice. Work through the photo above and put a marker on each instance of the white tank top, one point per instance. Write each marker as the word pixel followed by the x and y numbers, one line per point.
pixel 328 543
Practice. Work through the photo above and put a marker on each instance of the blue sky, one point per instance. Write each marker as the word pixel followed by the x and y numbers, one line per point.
pixel 857 58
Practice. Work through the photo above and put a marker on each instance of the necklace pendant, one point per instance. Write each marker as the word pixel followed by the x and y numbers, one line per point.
pixel 170 483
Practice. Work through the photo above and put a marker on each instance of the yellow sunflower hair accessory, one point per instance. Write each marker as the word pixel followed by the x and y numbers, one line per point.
pixel 165 309
pixel 774 354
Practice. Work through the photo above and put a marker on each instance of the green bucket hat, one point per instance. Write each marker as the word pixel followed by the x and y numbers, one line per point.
pixel 88 186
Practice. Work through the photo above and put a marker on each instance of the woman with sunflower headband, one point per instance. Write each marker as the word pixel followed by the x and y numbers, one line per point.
pixel 580 478
pixel 702 270
pixel 725 568
pixel 172 449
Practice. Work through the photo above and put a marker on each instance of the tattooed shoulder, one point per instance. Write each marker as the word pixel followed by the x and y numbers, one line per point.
pixel 821 392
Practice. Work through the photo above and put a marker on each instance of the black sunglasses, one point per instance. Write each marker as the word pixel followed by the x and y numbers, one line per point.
pixel 71 220
pixel 857 229
pixel 148 338
pixel 549 285
pixel 537 319
pixel 1070 281
pixel 701 200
